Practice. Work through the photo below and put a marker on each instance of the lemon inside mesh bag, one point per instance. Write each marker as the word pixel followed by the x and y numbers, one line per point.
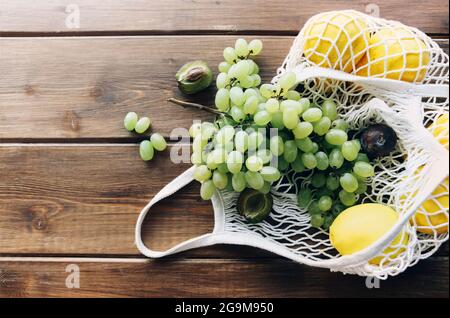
pixel 335 40
pixel 395 53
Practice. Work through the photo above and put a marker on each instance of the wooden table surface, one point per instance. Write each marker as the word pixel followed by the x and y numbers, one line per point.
pixel 71 180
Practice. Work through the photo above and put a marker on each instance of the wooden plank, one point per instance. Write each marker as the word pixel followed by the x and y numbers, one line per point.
pixel 178 16
pixel 84 200
pixel 81 88
pixel 213 278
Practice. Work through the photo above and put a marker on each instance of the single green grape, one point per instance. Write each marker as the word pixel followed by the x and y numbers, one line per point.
pixel 349 150
pixel 277 120
pixel 196 158
pixel 304 197
pixel 253 67
pixel 235 160
pixel 333 183
pixel 220 180
pixel 322 160
pixel 272 105
pixel 270 174
pixel 130 121
pixel 195 129
pixel 237 96
pixel 251 92
pixel 348 182
pixel 241 141
pixel 256 80
pixel 363 169
pixel 340 124
pixel 222 80
pixel 238 182
pixel 262 118
pixel 247 81
pixel 303 130
pixel 293 95
pixel 312 114
pixel 268 90
pixel 266 188
pixel 254 163
pixel 241 48
pixel 207 190
pixel 362 187
pixel 298 165
pixel 325 203
pixel 225 134
pixel 329 109
pixel 287 81
pixel 223 168
pixel 223 99
pixel 224 67
pixel 158 142
pixel 336 137
pixel 237 114
pixel 283 165
pixel 362 157
pixel 317 220
pixel 142 125
pixel 254 180
pixel 202 173
pixel 290 118
pixel 305 103
pixel 255 140
pixel 309 160
pixel 322 126
pixel 240 70
pixel 251 105
pixel 290 151
pixel 230 55
pixel 255 47
pixel 336 158
pixel 347 198
pixel 265 155
pixel 318 180
pixel 305 144
pixel 314 209
pixel 146 150
pixel 276 145
pixel 315 147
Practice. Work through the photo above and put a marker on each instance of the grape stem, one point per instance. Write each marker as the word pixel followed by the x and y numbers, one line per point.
pixel 198 106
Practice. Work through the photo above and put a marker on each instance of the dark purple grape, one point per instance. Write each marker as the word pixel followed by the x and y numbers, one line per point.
pixel 378 140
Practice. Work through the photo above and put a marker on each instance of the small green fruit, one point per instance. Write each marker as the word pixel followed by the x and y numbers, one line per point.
pixel 194 77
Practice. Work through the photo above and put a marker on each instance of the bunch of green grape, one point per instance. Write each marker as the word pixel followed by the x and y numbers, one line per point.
pixel 236 152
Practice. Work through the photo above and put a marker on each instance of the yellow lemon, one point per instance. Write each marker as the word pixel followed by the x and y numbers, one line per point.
pixel 395 53
pixel 432 216
pixel 362 225
pixel 335 39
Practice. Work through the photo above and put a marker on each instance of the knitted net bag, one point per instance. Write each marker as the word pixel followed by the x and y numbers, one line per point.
pixel 376 71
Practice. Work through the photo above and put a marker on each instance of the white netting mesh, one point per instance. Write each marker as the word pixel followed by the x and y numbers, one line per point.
pixel 362 45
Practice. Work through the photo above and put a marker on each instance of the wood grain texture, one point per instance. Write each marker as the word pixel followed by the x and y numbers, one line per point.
pixel 86 199
pixel 57 88
pixel 81 88
pixel 214 278
pixel 78 200
pixel 180 16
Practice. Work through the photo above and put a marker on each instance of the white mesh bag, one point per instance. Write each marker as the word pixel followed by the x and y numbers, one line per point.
pixel 376 71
